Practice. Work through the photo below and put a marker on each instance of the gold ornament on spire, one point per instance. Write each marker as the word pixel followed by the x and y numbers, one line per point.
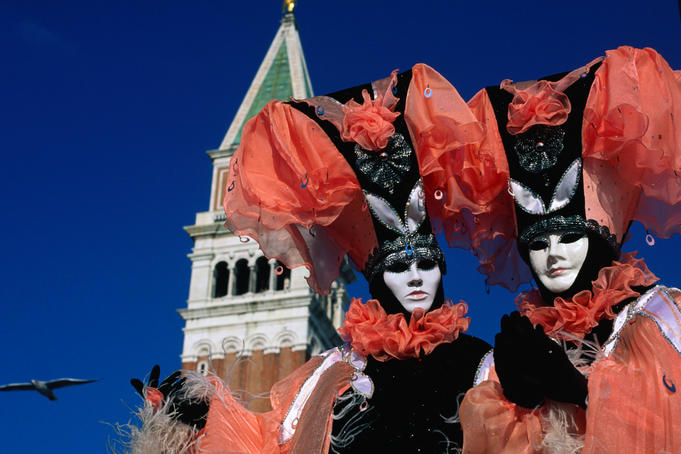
pixel 288 6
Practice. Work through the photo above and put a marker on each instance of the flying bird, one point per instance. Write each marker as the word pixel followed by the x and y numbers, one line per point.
pixel 45 387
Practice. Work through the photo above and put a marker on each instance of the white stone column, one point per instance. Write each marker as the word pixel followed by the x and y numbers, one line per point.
pixel 231 280
pixel 252 271
pixel 273 277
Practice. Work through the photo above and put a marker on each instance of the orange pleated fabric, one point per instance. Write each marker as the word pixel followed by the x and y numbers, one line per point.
pixel 492 228
pixel 631 151
pixel 493 425
pixel 292 191
pixel 464 172
pixel 634 403
pixel 635 394
pixel 231 428
pixel 581 313
pixel 372 331
pixel 631 138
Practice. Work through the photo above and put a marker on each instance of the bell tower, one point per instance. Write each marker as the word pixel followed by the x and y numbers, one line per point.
pixel 249 319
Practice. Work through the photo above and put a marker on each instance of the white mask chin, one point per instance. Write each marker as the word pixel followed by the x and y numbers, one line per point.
pixel 557 257
pixel 416 286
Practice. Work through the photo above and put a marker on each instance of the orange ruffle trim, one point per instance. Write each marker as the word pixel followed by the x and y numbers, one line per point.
pixel 578 315
pixel 373 332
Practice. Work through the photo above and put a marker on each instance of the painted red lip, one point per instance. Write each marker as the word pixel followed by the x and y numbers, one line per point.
pixel 556 271
pixel 418 294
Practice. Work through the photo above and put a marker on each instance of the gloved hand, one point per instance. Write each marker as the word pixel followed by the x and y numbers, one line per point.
pixel 516 362
pixel 532 367
pixel 189 411
pixel 562 381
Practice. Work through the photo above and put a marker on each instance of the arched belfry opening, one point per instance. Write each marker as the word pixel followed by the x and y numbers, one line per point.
pixel 262 275
pixel 220 280
pixel 242 276
pixel 283 276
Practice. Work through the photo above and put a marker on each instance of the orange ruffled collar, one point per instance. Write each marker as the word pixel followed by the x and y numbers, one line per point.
pixel 578 315
pixel 373 332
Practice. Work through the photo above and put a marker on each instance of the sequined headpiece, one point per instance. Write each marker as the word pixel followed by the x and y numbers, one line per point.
pixel 545 161
pixel 374 140
pixel 411 244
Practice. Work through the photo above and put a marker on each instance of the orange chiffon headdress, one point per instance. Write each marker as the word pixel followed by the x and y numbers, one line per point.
pixel 591 150
pixel 355 172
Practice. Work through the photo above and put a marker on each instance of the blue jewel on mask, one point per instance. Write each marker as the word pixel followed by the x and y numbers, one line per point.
pixel 320 110
pixel 409 249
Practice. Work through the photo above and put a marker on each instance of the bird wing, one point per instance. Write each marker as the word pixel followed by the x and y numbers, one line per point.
pixel 17 387
pixel 61 382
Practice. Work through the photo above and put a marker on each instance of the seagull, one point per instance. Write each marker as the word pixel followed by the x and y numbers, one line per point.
pixel 45 387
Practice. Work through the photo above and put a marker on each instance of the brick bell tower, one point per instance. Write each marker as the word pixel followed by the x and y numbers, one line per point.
pixel 248 319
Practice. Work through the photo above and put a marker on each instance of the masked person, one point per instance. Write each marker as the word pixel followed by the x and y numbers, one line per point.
pixel 355 173
pixel 592 361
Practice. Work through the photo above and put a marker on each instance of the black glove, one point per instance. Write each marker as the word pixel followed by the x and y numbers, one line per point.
pixel 562 381
pixel 516 362
pixel 189 411
pixel 532 367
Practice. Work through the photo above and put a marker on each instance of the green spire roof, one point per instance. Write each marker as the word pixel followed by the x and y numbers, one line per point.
pixel 282 74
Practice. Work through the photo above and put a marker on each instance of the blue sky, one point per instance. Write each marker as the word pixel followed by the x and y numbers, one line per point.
pixel 107 109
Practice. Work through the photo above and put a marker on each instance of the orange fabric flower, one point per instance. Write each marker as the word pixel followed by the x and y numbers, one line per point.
pixel 581 313
pixel 538 104
pixel 370 124
pixel 373 332
pixel 542 102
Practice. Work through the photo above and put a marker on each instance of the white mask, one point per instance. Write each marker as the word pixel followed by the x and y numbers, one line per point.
pixel 556 258
pixel 415 285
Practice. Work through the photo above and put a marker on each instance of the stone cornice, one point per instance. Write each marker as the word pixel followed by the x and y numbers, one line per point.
pixel 287 300
pixel 216 228
pixel 221 153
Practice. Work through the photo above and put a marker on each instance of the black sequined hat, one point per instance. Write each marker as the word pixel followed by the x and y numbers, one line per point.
pixel 389 176
pixel 545 166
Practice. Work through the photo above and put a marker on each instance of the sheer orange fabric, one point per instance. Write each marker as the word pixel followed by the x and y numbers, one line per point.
pixel 370 124
pixel 294 193
pixel 493 425
pixel 634 405
pixel 581 313
pixel 492 229
pixel 635 394
pixel 632 143
pixel 541 102
pixel 231 428
pixel 631 151
pixel 371 331
pixel 464 171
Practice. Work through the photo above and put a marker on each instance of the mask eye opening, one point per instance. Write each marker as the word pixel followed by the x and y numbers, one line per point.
pixel 571 237
pixel 399 267
pixel 426 264
pixel 538 244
